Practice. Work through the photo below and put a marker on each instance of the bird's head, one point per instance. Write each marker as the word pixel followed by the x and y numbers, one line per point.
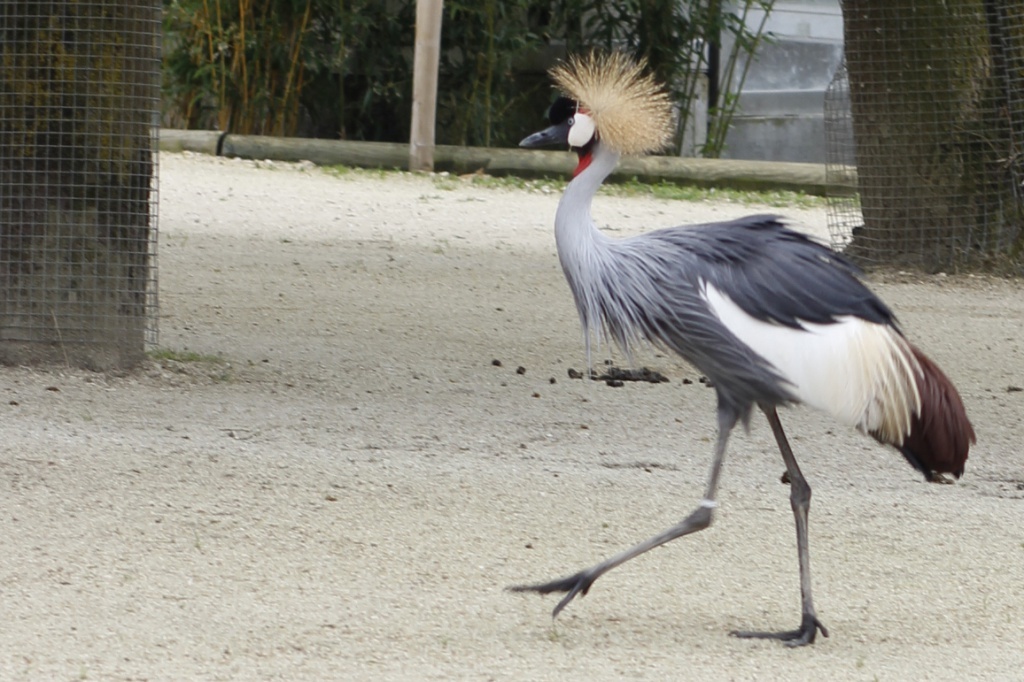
pixel 570 125
pixel 607 97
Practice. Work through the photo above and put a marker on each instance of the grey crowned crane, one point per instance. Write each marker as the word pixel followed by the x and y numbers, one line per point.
pixel 771 317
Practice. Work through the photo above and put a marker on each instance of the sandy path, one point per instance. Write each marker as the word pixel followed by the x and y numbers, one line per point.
pixel 347 493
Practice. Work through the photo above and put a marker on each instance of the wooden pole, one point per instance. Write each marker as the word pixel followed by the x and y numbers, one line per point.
pixel 424 84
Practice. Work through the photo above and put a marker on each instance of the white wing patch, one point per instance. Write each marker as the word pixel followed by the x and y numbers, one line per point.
pixel 861 373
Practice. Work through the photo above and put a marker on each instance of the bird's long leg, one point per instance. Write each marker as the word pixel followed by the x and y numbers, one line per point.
pixel 800 499
pixel 699 519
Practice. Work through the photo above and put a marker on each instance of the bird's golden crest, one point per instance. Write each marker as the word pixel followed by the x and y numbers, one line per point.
pixel 631 110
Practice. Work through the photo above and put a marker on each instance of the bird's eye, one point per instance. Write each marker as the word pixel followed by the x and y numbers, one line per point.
pixel 571 121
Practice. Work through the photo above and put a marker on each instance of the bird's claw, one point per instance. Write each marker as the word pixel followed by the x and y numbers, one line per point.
pixel 802 636
pixel 575 585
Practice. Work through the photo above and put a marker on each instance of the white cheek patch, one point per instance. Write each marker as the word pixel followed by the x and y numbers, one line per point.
pixel 581 132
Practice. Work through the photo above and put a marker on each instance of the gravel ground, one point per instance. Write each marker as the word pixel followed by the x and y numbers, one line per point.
pixel 340 482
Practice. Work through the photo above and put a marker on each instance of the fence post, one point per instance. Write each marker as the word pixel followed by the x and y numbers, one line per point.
pixel 80 106
pixel 424 89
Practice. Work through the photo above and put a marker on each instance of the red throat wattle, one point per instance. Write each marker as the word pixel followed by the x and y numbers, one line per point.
pixel 586 156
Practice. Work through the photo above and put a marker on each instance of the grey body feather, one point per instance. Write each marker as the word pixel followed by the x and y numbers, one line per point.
pixel 649 288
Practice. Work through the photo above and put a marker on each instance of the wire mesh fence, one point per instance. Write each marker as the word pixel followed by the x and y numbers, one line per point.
pixel 924 126
pixel 79 110
pixel 844 215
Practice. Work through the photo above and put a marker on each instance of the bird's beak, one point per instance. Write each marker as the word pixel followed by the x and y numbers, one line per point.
pixel 556 135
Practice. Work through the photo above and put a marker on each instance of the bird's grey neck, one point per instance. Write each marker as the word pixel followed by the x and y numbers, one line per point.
pixel 582 249
pixel 574 208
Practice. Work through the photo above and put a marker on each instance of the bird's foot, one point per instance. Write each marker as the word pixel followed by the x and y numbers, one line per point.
pixel 805 634
pixel 574 585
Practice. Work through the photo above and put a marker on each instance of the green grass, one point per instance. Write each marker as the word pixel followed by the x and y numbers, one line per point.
pixel 630 188
pixel 183 356
pixel 193 364
pixel 373 173
pixel 673 192
pixel 503 182
pixel 636 187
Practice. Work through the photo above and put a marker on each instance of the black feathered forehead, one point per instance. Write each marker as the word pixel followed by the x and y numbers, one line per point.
pixel 561 110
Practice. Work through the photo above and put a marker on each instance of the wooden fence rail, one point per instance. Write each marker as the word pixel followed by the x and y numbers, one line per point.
pixel 736 174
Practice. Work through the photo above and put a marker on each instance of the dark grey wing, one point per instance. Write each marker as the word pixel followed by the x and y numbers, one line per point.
pixel 773 273
pixel 654 292
pixel 776 274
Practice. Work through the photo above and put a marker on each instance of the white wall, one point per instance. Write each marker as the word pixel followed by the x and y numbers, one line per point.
pixel 781 116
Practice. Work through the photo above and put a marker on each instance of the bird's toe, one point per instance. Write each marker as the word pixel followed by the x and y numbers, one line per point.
pixel 574 585
pixel 802 636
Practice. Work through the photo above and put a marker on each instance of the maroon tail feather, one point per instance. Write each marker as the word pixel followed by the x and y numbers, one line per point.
pixel 941 435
